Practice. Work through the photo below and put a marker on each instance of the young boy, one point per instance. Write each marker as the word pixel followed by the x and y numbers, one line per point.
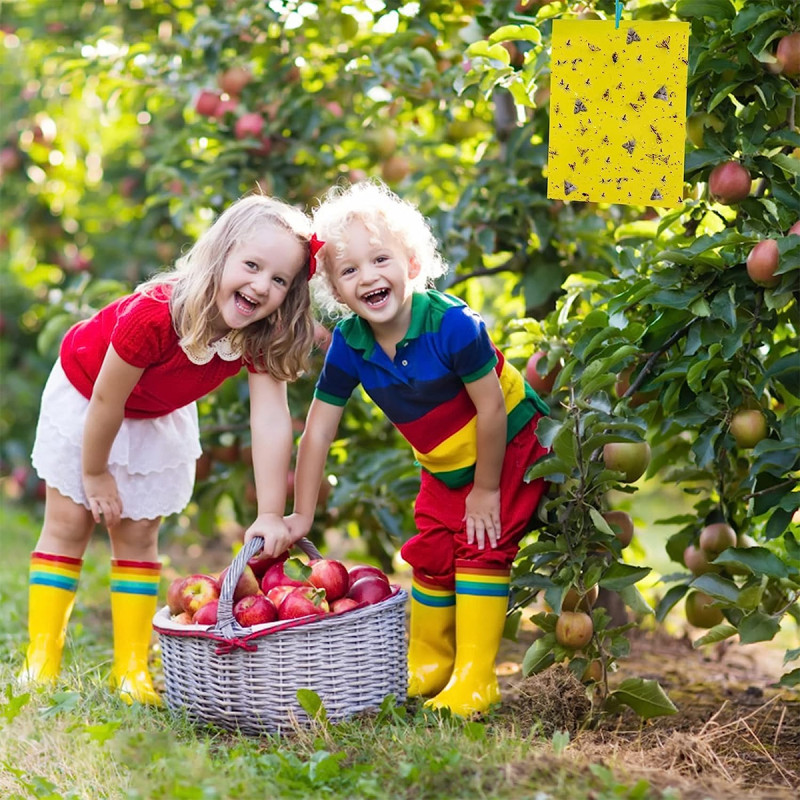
pixel 426 359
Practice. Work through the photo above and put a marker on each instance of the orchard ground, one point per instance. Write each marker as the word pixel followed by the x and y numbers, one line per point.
pixel 734 736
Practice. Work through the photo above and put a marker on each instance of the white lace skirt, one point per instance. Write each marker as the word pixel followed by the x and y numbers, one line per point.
pixel 152 460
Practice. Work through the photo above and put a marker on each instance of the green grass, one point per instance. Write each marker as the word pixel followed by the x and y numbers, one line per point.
pixel 80 741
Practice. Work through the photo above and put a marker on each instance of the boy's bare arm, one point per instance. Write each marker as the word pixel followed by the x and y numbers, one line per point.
pixel 483 502
pixel 322 424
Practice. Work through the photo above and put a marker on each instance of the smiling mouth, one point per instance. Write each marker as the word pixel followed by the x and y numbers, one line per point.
pixel 244 304
pixel 375 298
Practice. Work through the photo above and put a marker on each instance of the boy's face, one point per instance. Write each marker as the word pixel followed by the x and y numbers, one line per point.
pixel 374 280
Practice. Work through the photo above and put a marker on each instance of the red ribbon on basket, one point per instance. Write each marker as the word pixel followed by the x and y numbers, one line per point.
pixel 228 645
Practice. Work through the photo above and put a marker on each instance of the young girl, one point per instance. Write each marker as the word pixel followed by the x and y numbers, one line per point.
pixel 426 359
pixel 118 438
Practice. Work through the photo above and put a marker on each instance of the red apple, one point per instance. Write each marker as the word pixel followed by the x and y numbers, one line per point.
pixel 207 614
pixel 331 576
pixel 255 609
pixel 197 590
pixel 277 594
pixel 716 537
pixel 248 583
pixel 360 570
pixel 249 126
pixel 275 576
pixel 542 384
pixel 343 604
pixel 369 589
pixel 788 54
pixel 622 524
pixel 729 183
pixel 206 102
pixel 762 263
pixel 224 107
pixel 261 563
pixel 175 595
pixel 184 618
pixel 234 79
pixel 395 168
pixel 794 230
pixel 303 601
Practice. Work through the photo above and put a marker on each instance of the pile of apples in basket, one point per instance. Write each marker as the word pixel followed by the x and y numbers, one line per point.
pixel 270 590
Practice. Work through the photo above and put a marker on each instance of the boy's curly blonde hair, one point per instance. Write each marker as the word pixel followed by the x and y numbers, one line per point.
pixel 382 212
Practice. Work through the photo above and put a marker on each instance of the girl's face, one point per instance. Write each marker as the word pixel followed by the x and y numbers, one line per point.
pixel 374 280
pixel 256 277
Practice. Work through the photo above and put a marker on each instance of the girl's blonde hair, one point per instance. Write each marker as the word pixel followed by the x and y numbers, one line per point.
pixel 279 344
pixel 382 212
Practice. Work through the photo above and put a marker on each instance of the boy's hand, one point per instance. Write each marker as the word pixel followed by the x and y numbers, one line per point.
pixel 483 517
pixel 273 530
pixel 298 525
pixel 104 500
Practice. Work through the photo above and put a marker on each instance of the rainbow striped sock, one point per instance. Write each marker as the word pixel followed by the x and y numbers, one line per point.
pixel 481 581
pixel 60 572
pixel 427 593
pixel 135 577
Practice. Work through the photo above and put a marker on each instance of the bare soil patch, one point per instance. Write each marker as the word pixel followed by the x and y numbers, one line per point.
pixel 735 734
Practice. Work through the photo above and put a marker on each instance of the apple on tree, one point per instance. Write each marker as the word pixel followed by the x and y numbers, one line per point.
pixel 763 262
pixel 700 612
pixel 234 79
pixel 572 600
pixel 574 629
pixel 541 384
pixel 748 427
pixel 622 524
pixel 629 458
pixel 729 183
pixel 697 561
pixel 206 102
pixel 787 54
pixel 716 537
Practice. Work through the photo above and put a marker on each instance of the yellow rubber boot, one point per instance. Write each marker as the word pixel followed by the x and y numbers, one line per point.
pixel 481 604
pixel 51 595
pixel 431 638
pixel 134 598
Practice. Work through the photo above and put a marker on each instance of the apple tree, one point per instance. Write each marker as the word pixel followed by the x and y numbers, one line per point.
pixel 679 334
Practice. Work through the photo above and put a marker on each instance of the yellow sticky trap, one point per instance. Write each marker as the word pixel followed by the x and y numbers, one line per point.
pixel 618 112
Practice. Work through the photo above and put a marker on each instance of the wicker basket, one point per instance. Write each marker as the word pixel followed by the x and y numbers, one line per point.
pixel 247 679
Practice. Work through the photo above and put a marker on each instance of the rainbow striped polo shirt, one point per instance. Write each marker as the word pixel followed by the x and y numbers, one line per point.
pixel 422 391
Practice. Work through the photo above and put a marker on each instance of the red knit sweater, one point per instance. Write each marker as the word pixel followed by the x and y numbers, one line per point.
pixel 140 328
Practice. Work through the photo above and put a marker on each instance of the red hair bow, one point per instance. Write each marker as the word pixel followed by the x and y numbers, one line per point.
pixel 315 245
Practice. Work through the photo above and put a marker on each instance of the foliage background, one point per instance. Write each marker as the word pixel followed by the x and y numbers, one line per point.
pixel 109 171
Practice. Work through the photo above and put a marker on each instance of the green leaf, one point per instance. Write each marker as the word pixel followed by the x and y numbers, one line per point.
pixel 718 587
pixel 790 679
pixel 634 599
pixel 507 33
pixel 756 559
pixel 669 600
pixel 620 575
pixel 311 703
pixel 716 634
pixel 789 164
pixel 758 627
pixel 645 697
pixel 539 656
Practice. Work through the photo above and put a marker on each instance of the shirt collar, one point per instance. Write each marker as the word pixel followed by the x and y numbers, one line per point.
pixel 358 334
pixel 227 348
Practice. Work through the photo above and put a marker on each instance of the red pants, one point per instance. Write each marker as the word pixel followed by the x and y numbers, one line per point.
pixel 439 514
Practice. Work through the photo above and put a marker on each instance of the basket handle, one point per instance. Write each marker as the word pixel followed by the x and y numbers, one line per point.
pixel 227 626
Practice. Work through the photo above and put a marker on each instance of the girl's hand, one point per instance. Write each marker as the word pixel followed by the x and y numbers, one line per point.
pixel 273 530
pixel 104 500
pixel 482 517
